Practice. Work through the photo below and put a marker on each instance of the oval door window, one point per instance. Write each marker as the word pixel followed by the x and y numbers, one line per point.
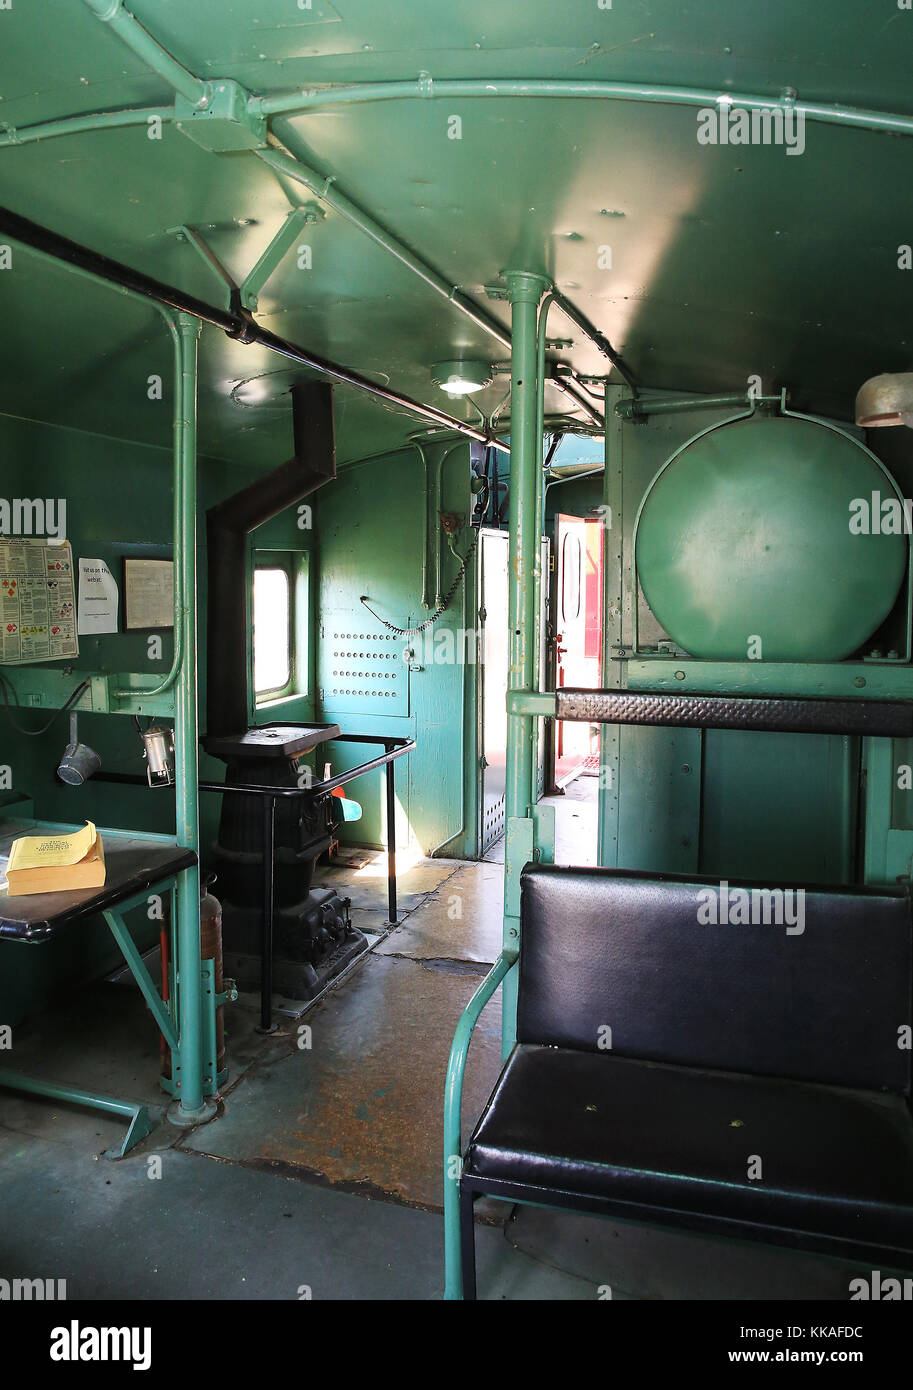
pixel 571 566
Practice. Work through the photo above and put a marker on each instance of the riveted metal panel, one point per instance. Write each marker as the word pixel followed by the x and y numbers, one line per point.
pixel 361 670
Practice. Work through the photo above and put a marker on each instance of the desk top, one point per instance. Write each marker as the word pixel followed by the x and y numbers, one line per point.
pixel 133 863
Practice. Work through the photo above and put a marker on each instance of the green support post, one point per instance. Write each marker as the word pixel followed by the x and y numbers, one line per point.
pixel 191 1108
pixel 191 981
pixel 472 839
pixel 525 293
pixel 530 830
pixel 541 347
pixel 613 672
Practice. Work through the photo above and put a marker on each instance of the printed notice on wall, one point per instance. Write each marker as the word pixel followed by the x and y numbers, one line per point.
pixel 37 601
pixel 148 593
pixel 97 598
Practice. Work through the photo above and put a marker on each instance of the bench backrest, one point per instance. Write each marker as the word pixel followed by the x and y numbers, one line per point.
pixel 647 956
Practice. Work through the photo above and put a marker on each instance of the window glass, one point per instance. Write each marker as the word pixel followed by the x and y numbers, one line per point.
pixel 272 630
pixel 571 575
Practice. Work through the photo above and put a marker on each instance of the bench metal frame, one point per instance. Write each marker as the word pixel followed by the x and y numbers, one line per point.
pixel 668 1218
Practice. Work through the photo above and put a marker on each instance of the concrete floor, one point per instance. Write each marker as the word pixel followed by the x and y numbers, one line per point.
pixel 322 1171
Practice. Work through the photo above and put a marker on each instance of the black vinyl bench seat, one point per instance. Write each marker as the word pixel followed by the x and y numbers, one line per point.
pixel 757 1083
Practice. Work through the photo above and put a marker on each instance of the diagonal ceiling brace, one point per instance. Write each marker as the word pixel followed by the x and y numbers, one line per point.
pixel 281 162
pixel 243 297
pixel 208 256
pixel 281 243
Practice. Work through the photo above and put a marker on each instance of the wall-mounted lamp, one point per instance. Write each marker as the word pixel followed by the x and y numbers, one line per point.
pixel 79 761
pixel 159 749
pixel 886 400
pixel 461 378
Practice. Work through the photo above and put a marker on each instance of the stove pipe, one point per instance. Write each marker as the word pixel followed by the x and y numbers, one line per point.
pixel 227 527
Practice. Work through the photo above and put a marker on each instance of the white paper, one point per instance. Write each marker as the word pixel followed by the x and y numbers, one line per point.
pixel 37 601
pixel 149 598
pixel 97 598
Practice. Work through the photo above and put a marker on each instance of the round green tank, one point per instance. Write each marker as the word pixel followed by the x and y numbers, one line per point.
pixel 744 546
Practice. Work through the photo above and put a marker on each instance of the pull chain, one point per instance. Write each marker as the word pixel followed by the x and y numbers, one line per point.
pixel 442 606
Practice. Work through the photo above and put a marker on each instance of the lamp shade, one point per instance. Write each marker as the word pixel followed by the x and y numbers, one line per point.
pixel 886 400
pixel 461 378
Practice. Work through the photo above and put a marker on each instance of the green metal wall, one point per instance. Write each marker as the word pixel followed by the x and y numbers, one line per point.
pixel 370 542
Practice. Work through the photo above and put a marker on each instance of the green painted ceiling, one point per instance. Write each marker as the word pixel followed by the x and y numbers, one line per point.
pixel 726 262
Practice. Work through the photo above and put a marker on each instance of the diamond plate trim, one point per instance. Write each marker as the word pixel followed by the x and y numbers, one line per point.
pixel 872 718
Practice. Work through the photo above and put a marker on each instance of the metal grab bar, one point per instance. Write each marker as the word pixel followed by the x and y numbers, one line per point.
pixel 868 716
pixel 394 748
pixel 764 714
pixel 453 1101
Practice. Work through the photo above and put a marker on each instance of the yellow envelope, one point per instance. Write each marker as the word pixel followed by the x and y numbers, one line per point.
pixel 51 851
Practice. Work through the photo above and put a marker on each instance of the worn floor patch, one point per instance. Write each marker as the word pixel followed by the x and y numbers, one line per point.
pixel 363 1103
pixel 367 887
pixel 460 921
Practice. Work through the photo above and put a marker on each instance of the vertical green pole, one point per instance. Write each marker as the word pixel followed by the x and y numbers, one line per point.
pixel 472 677
pixel 613 591
pixel 541 345
pixel 190 1108
pixel 525 292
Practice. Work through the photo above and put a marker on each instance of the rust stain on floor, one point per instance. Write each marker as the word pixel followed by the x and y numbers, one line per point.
pixel 372 1110
pixel 364 1104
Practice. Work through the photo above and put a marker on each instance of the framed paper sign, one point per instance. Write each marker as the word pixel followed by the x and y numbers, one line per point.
pixel 148 594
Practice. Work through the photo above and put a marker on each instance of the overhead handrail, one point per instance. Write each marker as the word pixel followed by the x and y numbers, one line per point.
pixel 237 324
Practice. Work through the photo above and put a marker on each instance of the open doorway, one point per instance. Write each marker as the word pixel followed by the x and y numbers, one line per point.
pixel 493 593
pixel 571 626
pixel 576 642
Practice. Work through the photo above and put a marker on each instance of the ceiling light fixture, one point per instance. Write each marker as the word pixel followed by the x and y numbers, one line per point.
pixel 461 378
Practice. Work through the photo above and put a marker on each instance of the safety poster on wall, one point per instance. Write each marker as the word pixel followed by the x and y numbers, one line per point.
pixel 37 601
